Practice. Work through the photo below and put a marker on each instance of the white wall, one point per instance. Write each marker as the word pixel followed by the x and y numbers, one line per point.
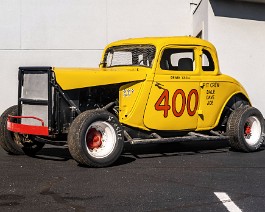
pixel 237 30
pixel 137 18
pixel 73 33
pixel 240 43
pixel 200 19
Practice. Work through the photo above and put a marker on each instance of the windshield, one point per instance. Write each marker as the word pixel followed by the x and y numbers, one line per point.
pixel 129 55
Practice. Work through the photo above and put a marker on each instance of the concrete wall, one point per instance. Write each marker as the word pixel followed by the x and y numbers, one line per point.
pixel 237 30
pixel 200 19
pixel 73 33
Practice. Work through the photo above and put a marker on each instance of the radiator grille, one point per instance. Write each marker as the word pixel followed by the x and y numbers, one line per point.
pixel 34 89
pixel 35 86
pixel 40 111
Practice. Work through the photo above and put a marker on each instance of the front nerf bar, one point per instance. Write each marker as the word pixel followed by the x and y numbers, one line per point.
pixel 27 129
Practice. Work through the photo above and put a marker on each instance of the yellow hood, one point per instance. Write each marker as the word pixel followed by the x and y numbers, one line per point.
pixel 72 78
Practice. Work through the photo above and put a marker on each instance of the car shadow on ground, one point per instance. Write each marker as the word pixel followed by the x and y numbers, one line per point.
pixel 141 151
pixel 54 153
pixel 175 149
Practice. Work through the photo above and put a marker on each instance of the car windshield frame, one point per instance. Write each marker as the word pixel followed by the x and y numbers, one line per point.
pixel 130 55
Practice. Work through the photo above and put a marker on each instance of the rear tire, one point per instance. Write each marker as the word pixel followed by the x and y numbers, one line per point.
pixel 246 129
pixel 95 138
pixel 15 143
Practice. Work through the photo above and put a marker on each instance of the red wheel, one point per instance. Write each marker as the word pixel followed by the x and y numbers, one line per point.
pixel 100 139
pixel 246 129
pixel 252 130
pixel 95 138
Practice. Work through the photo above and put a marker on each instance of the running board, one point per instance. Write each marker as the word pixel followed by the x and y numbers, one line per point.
pixel 190 137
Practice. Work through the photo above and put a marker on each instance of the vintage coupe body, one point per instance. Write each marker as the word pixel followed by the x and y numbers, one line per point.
pixel 146 90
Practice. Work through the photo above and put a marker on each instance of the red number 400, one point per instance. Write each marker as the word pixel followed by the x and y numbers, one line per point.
pixel 166 107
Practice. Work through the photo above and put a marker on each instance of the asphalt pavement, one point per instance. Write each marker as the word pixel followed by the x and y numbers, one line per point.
pixel 168 177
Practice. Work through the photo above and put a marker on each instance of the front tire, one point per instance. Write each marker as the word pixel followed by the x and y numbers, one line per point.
pixel 15 143
pixel 246 129
pixel 95 138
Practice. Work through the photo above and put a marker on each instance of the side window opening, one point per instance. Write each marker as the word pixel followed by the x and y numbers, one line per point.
pixel 178 60
pixel 207 61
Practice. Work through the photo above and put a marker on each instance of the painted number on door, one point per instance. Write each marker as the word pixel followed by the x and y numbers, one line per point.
pixel 162 103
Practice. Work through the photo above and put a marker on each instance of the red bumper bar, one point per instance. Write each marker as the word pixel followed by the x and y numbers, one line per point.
pixel 27 129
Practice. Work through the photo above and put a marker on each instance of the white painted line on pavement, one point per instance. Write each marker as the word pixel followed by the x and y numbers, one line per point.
pixel 228 203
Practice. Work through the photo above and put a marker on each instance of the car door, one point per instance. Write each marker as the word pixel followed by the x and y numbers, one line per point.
pixel 174 98
pixel 215 90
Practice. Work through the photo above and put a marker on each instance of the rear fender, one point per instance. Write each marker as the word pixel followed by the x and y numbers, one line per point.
pixel 236 100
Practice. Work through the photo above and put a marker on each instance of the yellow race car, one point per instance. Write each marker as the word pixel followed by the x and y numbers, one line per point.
pixel 146 90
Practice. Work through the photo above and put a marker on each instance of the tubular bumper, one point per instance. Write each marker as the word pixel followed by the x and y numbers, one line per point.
pixel 27 129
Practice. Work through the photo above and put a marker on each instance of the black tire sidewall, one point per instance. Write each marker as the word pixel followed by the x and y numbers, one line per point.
pixel 6 136
pixel 235 128
pixel 251 111
pixel 89 118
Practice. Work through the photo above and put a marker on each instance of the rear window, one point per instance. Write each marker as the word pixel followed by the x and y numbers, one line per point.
pixel 207 61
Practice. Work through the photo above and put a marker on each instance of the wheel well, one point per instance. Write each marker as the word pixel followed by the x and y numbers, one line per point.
pixel 84 99
pixel 236 101
pixel 93 97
